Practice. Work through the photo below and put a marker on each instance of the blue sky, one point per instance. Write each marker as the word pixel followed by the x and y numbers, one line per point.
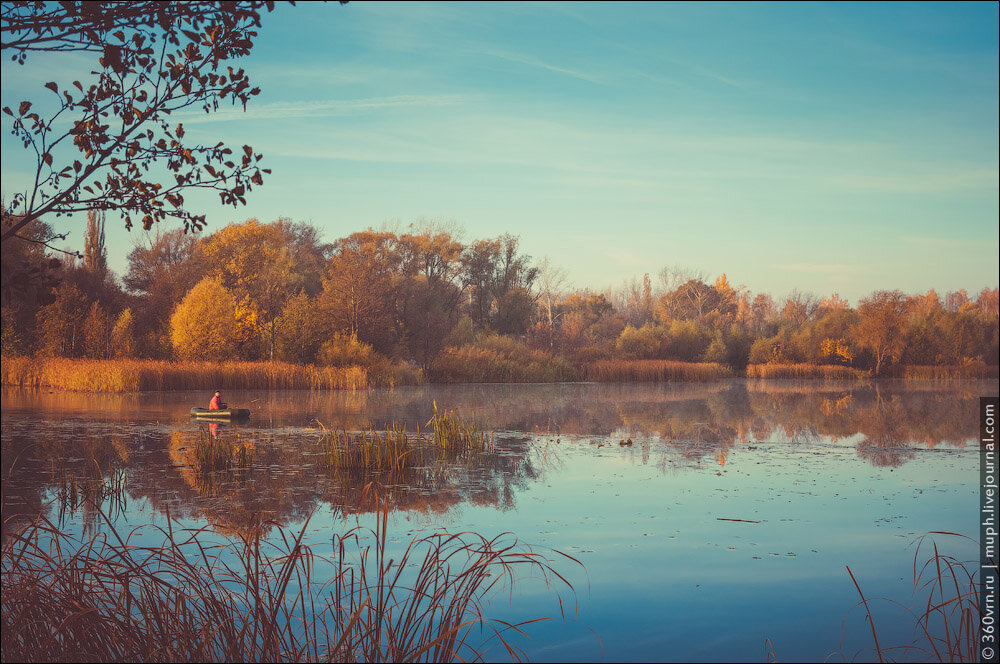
pixel 819 147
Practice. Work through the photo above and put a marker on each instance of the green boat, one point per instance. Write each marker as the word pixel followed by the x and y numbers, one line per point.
pixel 221 414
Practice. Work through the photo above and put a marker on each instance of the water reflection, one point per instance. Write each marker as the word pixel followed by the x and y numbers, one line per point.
pixel 805 465
pixel 81 450
pixel 286 478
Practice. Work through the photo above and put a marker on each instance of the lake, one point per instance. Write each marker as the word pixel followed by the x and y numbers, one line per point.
pixel 712 521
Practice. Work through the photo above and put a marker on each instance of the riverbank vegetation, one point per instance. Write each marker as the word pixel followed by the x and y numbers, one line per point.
pixel 87 375
pixel 272 305
pixel 804 370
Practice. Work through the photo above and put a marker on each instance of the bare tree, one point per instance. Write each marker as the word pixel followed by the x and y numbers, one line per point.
pixel 552 282
pixel 799 307
pixel 675 281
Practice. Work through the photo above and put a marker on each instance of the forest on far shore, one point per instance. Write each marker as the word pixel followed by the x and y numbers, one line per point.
pixel 458 310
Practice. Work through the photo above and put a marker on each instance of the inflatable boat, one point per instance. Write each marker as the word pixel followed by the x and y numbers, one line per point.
pixel 221 414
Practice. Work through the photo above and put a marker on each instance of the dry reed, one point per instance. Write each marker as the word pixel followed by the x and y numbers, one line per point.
pixel 153 375
pixel 385 455
pixel 368 453
pixel 948 372
pixel 627 371
pixel 453 433
pixel 109 598
pixel 825 371
pixel 500 360
pixel 947 619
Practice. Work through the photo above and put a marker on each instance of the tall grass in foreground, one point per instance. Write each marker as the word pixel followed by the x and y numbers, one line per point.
pixel 108 598
pixel 827 371
pixel 623 371
pixel 142 375
pixel 947 621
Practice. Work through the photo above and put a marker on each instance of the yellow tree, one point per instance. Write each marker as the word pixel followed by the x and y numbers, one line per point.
pixel 762 313
pixel 253 261
pixel 96 333
pixel 300 330
pixel 204 325
pixel 123 336
pixel 798 308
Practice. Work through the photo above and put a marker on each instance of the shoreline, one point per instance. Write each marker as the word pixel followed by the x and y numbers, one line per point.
pixel 133 376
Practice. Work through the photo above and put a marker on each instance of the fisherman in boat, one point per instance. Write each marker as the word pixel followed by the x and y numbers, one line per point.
pixel 216 402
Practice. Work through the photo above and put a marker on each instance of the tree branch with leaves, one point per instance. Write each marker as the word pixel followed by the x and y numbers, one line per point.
pixel 153 59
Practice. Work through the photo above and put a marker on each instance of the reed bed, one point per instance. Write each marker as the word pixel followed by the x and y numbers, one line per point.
pixel 108 598
pixel 368 452
pixel 948 615
pixel 154 375
pixel 650 371
pixel 386 455
pixel 949 372
pixel 453 433
pixel 825 371
pixel 500 360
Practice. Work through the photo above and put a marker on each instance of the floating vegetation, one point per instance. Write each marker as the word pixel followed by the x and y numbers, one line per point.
pixel 93 488
pixel 106 598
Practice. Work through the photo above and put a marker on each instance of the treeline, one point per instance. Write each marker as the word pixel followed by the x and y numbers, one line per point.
pixel 461 311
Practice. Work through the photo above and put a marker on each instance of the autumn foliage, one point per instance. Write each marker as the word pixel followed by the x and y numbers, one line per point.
pixel 407 306
pixel 204 325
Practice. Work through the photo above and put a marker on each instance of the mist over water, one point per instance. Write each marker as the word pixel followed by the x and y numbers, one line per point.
pixel 708 517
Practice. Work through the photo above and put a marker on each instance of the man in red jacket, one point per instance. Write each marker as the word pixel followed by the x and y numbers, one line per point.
pixel 216 402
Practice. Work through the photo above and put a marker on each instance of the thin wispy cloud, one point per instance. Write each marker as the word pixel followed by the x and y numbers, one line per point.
pixel 325 108
pixel 538 63
pixel 934 178
pixel 816 268
pixel 939 242
pixel 667 126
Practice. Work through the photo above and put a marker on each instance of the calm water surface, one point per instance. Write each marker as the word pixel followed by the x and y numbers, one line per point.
pixel 725 525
